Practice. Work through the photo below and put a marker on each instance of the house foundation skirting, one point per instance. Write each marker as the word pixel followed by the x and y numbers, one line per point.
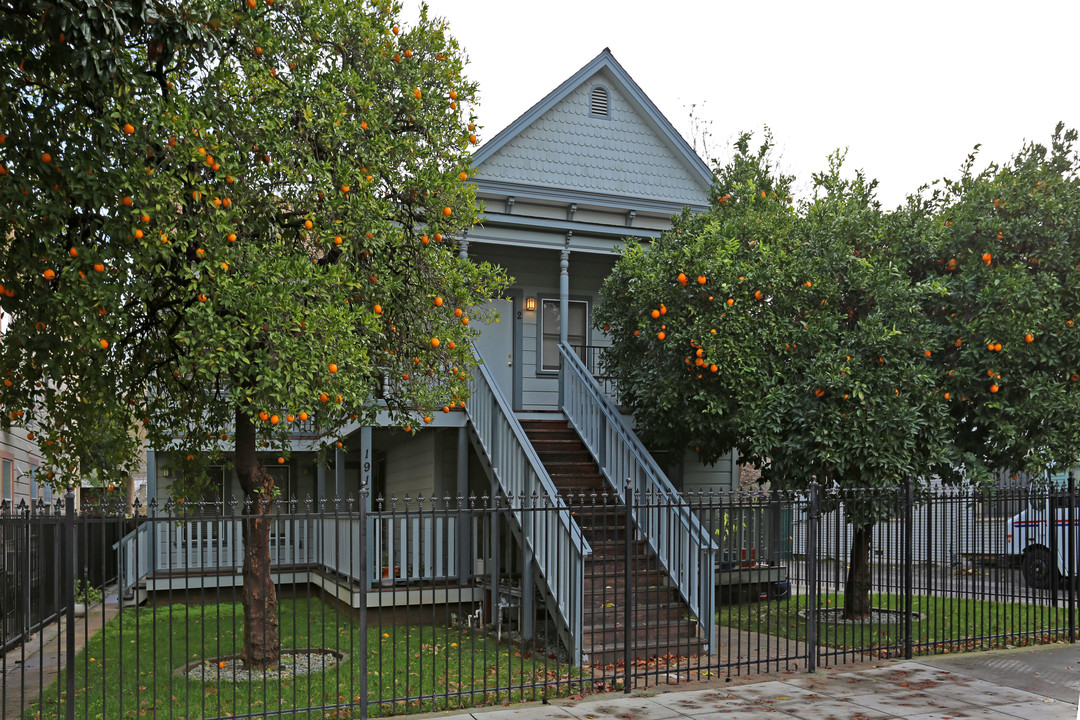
pixel 341 590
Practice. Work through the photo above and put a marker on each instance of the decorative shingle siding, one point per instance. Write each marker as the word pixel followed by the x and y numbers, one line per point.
pixel 569 148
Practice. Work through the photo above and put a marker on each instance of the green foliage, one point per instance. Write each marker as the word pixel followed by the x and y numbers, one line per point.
pixel 821 340
pixel 1004 244
pixel 204 207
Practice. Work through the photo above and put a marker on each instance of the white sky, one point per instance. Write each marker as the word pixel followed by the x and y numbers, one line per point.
pixel 908 88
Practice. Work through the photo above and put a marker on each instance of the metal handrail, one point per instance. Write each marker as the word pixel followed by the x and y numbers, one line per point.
pixel 672 530
pixel 554 538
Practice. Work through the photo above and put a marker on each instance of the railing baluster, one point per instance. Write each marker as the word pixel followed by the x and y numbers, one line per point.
pixel 583 402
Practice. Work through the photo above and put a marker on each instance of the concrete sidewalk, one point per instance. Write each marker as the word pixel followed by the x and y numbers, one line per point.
pixel 1024 684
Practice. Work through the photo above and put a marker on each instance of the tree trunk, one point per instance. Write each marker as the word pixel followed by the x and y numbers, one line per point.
pixel 262 645
pixel 857 586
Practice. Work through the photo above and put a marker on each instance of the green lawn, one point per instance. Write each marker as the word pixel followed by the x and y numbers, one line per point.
pixel 946 625
pixel 128 667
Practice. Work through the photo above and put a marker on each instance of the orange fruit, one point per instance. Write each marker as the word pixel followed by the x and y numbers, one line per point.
pixel 819 392
pixel 437 302
pixel 986 258
pixel 281 460
pixel 416 92
pixel 73 252
pixel 926 353
pixel 660 335
pixel 333 366
pixel 655 314
pixel 994 388
pixel 323 397
pixel 337 239
pixel 1029 338
pixel 435 342
pixel 127 201
pixel 308 224
pixel 225 267
pixel 49 273
pixel 701 279
pixel 464 176
pixel 682 278
pixel 104 344
pixel 465 320
pixel 46 158
pixel 757 294
pixel 451 345
pixel 138 235
pixel 231 237
pixel 731 301
pixel 303 417
pixel 264 416
pixel 438 237
pixel 457 312
pixel 447 212
pixel 274 419
pixel 424 239
pixel 378 311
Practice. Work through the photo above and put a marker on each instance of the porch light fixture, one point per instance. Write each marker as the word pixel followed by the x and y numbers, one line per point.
pixel 530 304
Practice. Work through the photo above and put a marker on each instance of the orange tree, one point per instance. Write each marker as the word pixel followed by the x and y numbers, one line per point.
pixel 218 218
pixel 791 334
pixel 1004 244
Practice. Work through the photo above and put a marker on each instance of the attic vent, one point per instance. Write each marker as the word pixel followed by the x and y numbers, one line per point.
pixel 598 102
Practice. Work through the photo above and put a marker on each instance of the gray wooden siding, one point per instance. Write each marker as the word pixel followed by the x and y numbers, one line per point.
pixel 623 154
pixel 698 477
pixel 410 466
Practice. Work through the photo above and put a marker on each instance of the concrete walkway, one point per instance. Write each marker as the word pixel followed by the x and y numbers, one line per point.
pixel 1024 684
pixel 35 665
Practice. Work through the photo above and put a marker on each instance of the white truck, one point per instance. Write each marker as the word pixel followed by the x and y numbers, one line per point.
pixel 1044 554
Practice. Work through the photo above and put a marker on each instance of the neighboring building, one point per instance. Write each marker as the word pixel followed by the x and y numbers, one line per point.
pixel 592 163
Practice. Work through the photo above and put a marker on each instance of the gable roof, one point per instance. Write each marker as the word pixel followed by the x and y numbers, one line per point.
pixel 634 153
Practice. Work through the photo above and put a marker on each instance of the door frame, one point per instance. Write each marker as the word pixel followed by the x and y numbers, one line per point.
pixel 517 305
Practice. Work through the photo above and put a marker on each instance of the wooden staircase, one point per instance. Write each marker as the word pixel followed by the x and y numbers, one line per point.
pixel 660 622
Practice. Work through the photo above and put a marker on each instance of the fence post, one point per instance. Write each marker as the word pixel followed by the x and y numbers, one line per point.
pixel 909 562
pixel 1071 540
pixel 811 579
pixel 364 586
pixel 628 580
pixel 69 599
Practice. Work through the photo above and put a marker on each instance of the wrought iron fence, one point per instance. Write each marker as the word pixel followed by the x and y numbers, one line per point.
pixel 416 604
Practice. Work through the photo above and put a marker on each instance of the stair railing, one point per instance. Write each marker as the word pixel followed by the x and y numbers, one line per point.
pixel 551 534
pixel 665 521
pixel 134 557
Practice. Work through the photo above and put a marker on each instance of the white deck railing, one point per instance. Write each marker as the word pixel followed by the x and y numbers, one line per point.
pixel 404 547
pixel 662 518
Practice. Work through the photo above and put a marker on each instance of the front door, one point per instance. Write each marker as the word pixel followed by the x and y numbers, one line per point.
pixel 496 345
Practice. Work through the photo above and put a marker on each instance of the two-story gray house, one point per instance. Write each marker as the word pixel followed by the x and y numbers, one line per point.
pixel 592 163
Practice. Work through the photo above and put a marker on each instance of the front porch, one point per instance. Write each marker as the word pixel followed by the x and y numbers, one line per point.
pixel 406 559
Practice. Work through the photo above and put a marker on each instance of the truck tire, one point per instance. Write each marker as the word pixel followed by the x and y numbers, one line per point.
pixel 1039 569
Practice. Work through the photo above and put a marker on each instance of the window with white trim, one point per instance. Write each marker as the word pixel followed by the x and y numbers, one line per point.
pixel 577 330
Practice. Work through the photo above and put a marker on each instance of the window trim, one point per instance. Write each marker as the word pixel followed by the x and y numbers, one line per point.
pixel 541 299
